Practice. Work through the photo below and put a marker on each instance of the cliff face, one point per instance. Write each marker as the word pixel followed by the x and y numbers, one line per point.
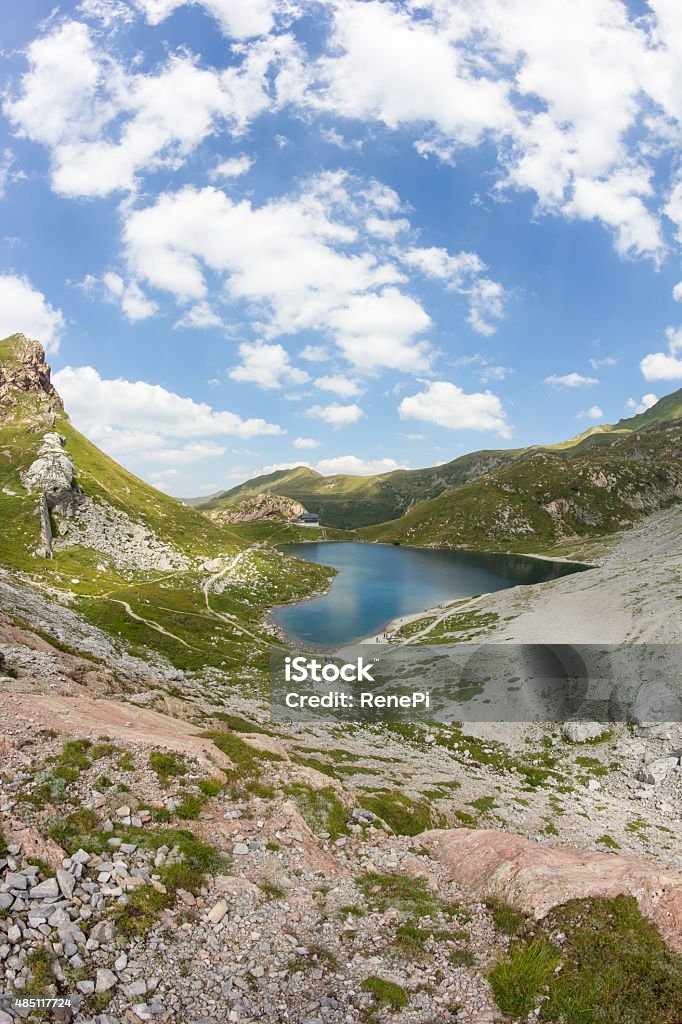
pixel 23 370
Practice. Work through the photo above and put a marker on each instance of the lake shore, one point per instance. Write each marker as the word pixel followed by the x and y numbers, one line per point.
pixel 627 597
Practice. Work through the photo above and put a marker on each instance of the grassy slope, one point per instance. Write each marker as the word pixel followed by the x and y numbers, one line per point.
pixel 535 502
pixel 347 502
pixel 173 600
pixel 351 502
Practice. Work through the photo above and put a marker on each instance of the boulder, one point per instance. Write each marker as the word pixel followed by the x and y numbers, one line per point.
pixel 582 732
pixel 535 878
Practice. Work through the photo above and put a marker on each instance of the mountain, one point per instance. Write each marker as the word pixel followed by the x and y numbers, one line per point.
pixel 347 502
pixel 604 484
pixel 354 502
pixel 136 564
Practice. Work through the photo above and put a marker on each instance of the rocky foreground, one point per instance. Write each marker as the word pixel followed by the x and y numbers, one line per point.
pixel 170 855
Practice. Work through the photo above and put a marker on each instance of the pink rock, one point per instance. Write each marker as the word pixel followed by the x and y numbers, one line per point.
pixel 535 878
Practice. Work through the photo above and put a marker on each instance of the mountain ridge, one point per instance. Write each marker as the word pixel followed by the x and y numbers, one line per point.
pixel 346 501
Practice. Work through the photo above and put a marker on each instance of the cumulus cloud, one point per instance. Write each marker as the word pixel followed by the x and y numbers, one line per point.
pixel 315 353
pixel 268 366
pixel 595 412
pixel 234 167
pixel 380 329
pixel 200 316
pixel 639 405
pixel 357 466
pixel 463 272
pixel 570 380
pixel 523 76
pixel 305 442
pixel 25 310
pixel 337 415
pixel 516 76
pixel 677 292
pixel 128 295
pixel 300 260
pixel 239 19
pixel 345 387
pixel 105 123
pixel 447 405
pixel 665 365
pixel 138 420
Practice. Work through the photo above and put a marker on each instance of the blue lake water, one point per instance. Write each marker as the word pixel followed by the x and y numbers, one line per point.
pixel 376 583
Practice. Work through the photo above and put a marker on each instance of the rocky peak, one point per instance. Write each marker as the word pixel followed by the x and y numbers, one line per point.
pixel 23 370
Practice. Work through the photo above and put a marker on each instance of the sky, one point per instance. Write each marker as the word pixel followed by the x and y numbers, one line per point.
pixel 357 235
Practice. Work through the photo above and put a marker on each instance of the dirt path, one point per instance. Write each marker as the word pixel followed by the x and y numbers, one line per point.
pixel 149 622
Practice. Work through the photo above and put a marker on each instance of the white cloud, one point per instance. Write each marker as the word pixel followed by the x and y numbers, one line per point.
pixel 108 12
pixel 345 387
pixel 392 84
pixel 8 175
pixel 104 123
pixel 103 409
pixel 356 466
pixel 618 203
pixel 25 310
pixel 300 261
pixel 488 373
pixel 524 75
pixel 268 366
pixel 570 380
pixel 380 330
pixel 661 366
pixel 677 292
pixel 337 415
pixel 315 353
pixel 239 19
pixel 462 272
pixel 606 361
pixel 449 406
pixel 199 316
pixel 637 406
pixel 595 412
pixel 386 228
pixel 235 167
pixel 127 295
pixel 665 365
pixel 306 442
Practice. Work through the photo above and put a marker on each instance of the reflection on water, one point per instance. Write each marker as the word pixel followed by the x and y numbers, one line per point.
pixel 376 583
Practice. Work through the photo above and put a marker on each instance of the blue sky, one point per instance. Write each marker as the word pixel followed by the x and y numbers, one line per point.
pixel 352 234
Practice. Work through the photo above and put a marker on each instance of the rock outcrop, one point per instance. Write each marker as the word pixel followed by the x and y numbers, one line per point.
pixel 535 878
pixel 27 373
pixel 263 507
pixel 52 476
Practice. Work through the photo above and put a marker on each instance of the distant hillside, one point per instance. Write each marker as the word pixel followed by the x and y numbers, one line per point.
pixel 550 497
pixel 346 502
pixel 352 502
